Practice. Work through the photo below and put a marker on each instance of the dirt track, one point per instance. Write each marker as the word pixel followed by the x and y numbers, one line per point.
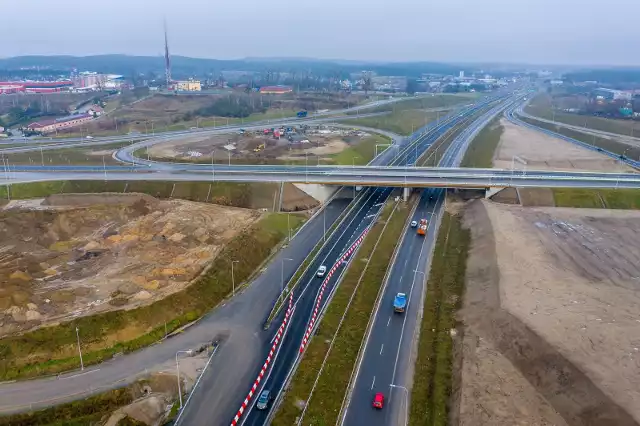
pixel 551 314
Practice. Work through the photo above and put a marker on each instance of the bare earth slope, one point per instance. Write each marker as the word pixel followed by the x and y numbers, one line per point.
pixel 551 314
pixel 81 254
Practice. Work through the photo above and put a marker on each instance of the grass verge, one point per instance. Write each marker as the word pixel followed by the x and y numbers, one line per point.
pixel 88 155
pixel 597 199
pixel 52 349
pixel 402 122
pixel 483 146
pixel 77 413
pixel 248 195
pixel 356 296
pixel 423 102
pixel 432 379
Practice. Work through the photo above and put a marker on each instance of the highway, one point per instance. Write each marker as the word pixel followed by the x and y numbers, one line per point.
pixel 208 405
pixel 390 339
pixel 369 205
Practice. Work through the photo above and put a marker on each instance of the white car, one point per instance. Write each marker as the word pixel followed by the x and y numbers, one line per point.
pixel 321 271
pixel 414 223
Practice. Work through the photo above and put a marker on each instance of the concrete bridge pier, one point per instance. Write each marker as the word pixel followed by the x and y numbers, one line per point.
pixel 406 192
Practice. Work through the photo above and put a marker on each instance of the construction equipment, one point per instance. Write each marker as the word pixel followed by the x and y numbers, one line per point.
pixel 259 148
pixel 422 227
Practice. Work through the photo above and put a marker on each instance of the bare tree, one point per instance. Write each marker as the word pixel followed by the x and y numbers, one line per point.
pixel 367 84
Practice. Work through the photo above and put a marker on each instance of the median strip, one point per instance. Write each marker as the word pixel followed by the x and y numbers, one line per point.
pixel 331 356
pixel 432 380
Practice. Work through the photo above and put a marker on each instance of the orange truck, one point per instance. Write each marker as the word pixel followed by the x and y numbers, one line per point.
pixel 422 227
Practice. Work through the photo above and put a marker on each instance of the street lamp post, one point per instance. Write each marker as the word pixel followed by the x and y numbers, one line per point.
pixel 282 275
pixel 233 278
pixel 79 350
pixel 406 402
pixel 187 352
pixel 213 170
pixel 354 168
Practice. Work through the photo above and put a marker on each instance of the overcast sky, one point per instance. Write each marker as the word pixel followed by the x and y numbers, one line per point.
pixel 530 31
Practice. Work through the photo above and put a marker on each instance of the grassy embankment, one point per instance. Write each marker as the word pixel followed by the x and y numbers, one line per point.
pixel 432 381
pixel 52 349
pixel 542 106
pixel 626 199
pixel 90 155
pixel 409 115
pixel 78 413
pixel 482 148
pixel 356 296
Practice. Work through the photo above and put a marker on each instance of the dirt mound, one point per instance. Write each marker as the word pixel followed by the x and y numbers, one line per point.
pixel 551 326
pixel 65 262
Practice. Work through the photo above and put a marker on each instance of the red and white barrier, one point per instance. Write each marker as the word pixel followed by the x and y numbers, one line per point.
pixel 264 368
pixel 316 309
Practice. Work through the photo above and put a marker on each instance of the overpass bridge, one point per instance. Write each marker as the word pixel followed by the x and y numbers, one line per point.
pixel 407 177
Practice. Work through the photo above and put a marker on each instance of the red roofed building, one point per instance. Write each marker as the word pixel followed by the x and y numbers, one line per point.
pixel 275 90
pixel 53 125
pixel 7 87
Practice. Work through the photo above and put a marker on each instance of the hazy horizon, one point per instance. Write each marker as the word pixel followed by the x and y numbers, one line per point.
pixel 536 32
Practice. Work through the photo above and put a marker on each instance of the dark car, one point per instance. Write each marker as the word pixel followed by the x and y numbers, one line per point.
pixel 264 400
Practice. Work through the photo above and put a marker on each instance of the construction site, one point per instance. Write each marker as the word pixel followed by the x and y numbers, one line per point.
pixel 301 144
pixel 73 255
pixel 551 332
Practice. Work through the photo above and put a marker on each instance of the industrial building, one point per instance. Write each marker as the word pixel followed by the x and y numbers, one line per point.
pixel 53 125
pixel 8 87
pixel 275 90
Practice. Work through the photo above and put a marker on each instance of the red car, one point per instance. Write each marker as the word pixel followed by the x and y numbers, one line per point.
pixel 378 400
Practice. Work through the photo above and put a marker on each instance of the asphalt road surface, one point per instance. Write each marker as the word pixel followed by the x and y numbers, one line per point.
pixel 393 332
